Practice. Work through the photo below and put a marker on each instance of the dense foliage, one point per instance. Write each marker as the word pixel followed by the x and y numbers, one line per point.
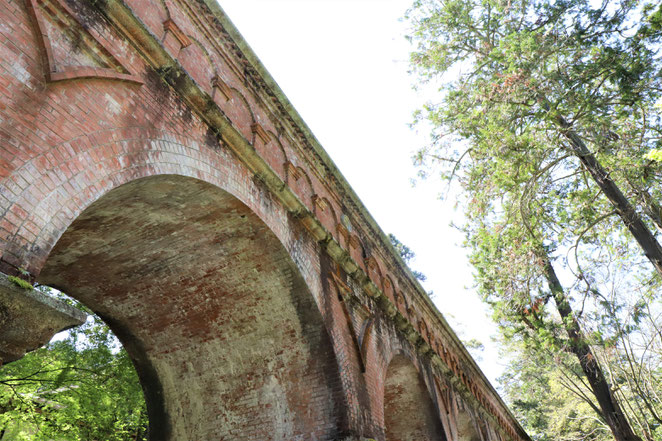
pixel 80 388
pixel 548 118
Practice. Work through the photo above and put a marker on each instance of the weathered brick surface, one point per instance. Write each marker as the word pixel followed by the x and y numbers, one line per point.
pixel 209 296
pixel 151 168
pixel 409 413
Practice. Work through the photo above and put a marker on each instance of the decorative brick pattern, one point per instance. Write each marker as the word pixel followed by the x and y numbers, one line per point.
pixel 70 50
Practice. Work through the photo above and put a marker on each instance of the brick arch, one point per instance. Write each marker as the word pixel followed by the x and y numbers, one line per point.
pixel 87 167
pixel 388 345
pixel 389 288
pixel 195 59
pixel 299 181
pixel 342 233
pixel 271 149
pixel 84 169
pixel 239 111
pixel 401 302
pixel 374 271
pixel 409 411
pixel 225 334
pixel 357 250
pixel 92 165
pixel 325 212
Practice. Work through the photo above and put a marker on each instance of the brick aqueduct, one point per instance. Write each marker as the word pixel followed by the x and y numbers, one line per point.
pixel 151 168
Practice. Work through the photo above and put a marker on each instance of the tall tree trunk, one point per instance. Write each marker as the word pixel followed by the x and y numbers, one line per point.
pixel 611 411
pixel 651 208
pixel 625 210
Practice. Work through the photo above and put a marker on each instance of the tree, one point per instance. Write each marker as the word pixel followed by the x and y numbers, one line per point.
pixel 407 255
pixel 548 399
pixel 545 123
pixel 548 396
pixel 81 388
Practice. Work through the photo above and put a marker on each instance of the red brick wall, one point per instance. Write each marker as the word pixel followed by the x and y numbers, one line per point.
pixel 204 294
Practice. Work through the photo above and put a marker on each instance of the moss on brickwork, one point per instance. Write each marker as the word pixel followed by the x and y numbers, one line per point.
pixel 20 282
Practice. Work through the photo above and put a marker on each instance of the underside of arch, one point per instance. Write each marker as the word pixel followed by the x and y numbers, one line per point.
pixel 409 413
pixel 226 337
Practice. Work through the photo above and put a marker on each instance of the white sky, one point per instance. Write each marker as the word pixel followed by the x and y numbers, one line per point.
pixel 343 65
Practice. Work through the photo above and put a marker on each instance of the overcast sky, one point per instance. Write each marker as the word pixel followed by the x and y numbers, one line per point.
pixel 343 65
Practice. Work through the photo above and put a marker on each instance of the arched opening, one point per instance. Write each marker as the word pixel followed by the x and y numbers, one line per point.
pixel 81 385
pixel 226 337
pixel 409 413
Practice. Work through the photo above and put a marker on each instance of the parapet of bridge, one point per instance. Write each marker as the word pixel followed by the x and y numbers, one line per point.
pixel 151 168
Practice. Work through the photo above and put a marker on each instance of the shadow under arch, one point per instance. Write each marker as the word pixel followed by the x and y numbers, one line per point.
pixel 409 412
pixel 226 337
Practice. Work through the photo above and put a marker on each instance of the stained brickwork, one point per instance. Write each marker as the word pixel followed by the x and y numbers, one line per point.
pixel 150 167
pixel 211 299
pixel 409 413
